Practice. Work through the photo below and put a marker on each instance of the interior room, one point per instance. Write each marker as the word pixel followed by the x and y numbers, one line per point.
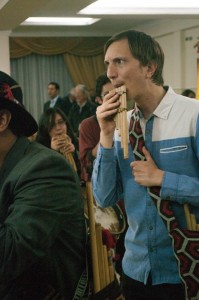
pixel 33 47
pixel 99 150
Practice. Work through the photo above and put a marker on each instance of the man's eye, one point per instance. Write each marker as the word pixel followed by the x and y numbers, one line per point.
pixel 106 64
pixel 120 61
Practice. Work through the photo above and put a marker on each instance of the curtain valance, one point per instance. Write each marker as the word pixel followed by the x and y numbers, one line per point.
pixel 78 46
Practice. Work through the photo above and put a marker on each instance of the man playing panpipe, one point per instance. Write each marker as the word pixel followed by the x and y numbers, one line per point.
pixel 161 173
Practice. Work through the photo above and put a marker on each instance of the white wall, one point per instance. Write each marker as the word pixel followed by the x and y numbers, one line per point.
pixel 177 38
pixel 5 53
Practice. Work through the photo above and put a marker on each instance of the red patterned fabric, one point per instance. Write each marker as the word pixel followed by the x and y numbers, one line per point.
pixel 5 91
pixel 185 242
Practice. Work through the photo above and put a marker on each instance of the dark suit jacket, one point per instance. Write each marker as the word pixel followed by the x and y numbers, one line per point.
pixel 67 104
pixel 59 103
pixel 42 233
pixel 76 117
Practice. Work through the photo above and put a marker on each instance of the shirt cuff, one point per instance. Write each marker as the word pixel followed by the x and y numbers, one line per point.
pixel 169 186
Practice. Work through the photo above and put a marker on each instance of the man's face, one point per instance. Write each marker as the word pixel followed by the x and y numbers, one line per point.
pixel 52 91
pixel 106 89
pixel 124 69
pixel 81 96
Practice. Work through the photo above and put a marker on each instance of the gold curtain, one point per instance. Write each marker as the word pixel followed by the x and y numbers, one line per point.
pixel 84 69
pixel 82 55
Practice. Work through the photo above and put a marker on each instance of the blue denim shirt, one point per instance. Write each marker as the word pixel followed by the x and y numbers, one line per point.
pixel 172 138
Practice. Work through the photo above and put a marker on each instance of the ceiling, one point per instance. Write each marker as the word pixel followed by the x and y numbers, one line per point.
pixel 14 12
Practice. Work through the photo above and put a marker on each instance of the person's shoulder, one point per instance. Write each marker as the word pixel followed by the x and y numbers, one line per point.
pixel 45 161
pixel 65 98
pixel 91 106
pixel 46 104
pixel 89 123
pixel 90 120
pixel 60 99
pixel 187 108
pixel 39 152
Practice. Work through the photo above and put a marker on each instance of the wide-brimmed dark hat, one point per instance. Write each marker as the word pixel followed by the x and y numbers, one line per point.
pixel 11 98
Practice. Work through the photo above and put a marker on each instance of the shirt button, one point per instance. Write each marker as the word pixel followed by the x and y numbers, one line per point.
pixel 151 249
pixel 150 227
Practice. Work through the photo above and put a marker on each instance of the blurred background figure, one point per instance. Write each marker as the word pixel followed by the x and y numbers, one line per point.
pixel 89 131
pixel 54 98
pixel 82 108
pixel 89 136
pixel 69 100
pixel 189 93
pixel 55 132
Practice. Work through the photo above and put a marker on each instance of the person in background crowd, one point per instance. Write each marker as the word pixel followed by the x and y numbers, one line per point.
pixel 88 144
pixel 82 108
pixel 170 126
pixel 69 100
pixel 89 131
pixel 42 228
pixel 92 95
pixel 55 132
pixel 189 93
pixel 54 98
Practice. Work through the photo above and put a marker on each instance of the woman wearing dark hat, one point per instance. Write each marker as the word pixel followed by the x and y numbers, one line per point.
pixel 40 201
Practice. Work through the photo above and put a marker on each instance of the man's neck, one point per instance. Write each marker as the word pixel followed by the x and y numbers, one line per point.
pixel 150 102
pixel 54 98
pixel 82 103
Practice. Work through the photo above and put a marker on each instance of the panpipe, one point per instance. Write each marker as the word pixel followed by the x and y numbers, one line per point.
pixel 102 265
pixel 121 120
pixel 190 219
pixel 68 156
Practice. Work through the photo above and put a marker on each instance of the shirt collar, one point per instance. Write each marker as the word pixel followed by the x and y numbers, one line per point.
pixel 54 99
pixel 163 109
pixel 82 105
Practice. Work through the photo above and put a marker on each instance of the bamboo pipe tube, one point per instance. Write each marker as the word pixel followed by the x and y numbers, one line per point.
pixel 193 222
pixel 95 267
pixel 68 156
pixel 100 251
pixel 187 216
pixel 121 120
pixel 190 219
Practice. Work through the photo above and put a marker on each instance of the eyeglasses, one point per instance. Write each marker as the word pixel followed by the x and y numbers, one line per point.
pixel 59 123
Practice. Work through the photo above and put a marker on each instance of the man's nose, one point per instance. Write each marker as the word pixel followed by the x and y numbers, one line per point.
pixel 111 72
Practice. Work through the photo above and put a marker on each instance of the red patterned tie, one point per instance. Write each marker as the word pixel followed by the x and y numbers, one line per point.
pixel 185 242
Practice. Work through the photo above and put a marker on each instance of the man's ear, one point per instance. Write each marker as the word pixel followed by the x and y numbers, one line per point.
pixel 5 117
pixel 98 100
pixel 151 68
